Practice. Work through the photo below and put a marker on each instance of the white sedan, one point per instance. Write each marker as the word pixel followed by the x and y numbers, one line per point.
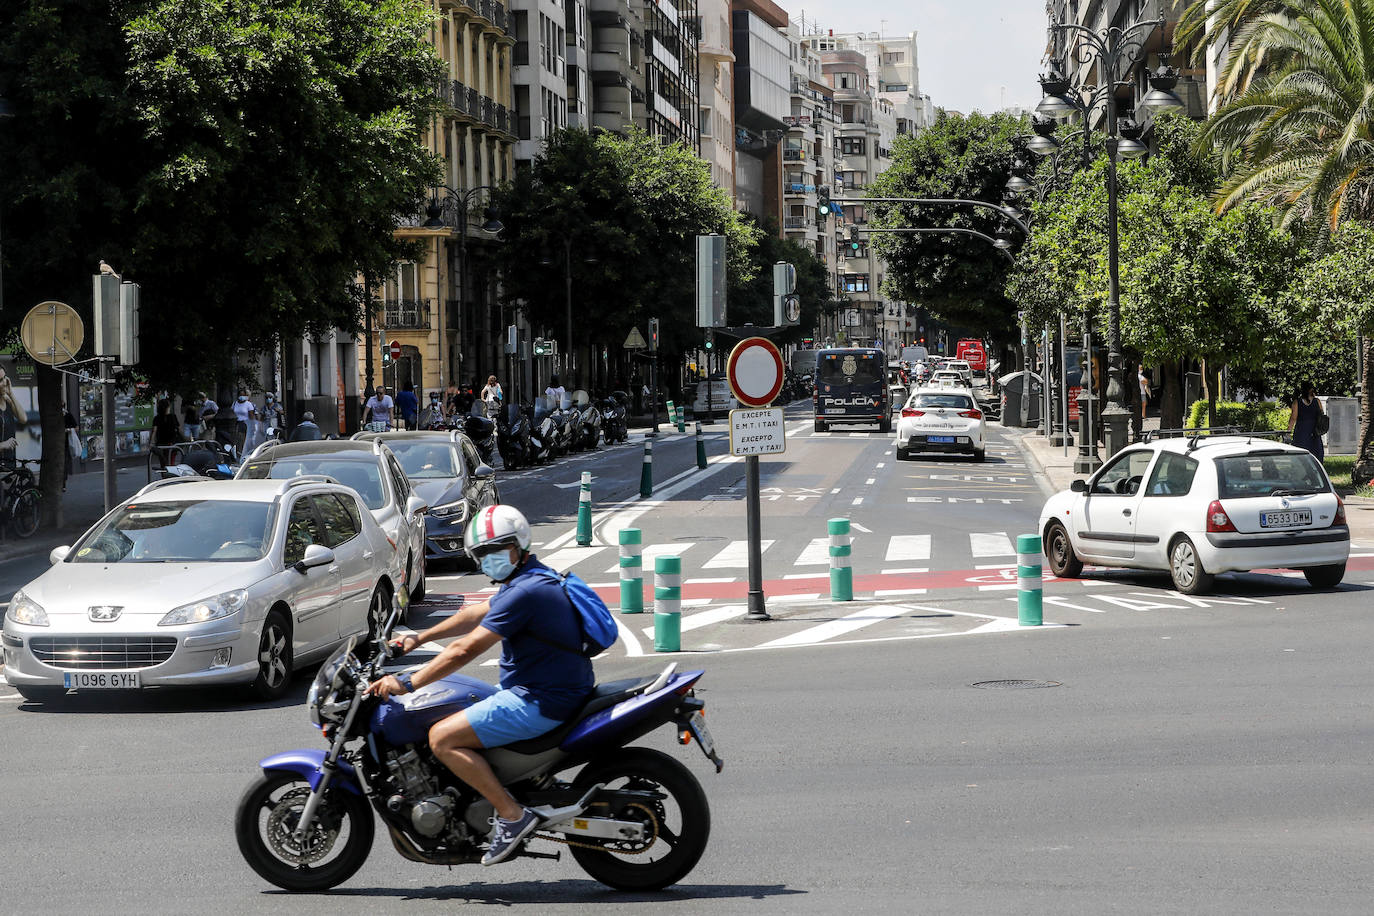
pixel 196 582
pixel 1198 507
pixel 941 420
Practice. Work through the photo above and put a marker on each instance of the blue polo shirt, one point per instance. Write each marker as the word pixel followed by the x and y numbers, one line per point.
pixel 533 602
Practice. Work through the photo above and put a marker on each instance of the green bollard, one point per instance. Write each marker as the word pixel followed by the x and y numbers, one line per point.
pixel 841 575
pixel 682 419
pixel 672 414
pixel 701 449
pixel 1030 584
pixel 584 511
pixel 646 477
pixel 668 604
pixel 631 571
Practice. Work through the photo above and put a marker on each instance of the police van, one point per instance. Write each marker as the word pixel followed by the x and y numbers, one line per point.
pixel 851 387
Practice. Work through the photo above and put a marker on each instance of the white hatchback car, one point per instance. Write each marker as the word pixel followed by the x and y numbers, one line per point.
pixel 945 378
pixel 195 582
pixel 1198 507
pixel 962 367
pixel 941 420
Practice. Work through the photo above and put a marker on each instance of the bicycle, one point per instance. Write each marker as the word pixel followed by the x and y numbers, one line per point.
pixel 19 499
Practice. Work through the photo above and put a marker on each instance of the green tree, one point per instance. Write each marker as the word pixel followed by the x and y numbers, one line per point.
pixel 242 161
pixel 959 278
pixel 752 302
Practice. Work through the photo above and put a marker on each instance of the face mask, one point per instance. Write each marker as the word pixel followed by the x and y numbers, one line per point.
pixel 498 566
pixel 242 398
pixel 269 399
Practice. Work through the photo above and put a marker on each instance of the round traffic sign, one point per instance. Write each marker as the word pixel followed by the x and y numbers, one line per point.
pixel 52 333
pixel 755 371
pixel 395 349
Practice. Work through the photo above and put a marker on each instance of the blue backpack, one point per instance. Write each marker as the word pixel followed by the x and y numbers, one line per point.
pixel 599 630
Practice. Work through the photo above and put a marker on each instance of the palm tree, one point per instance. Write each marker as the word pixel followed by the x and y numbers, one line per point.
pixel 1300 133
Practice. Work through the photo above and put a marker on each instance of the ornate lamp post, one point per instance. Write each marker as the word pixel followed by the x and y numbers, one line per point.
pixel 1111 49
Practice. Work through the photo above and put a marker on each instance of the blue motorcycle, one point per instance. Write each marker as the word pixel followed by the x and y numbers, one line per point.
pixel 633 818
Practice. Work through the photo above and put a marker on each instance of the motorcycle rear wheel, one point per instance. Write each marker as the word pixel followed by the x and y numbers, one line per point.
pixel 682 821
pixel 258 827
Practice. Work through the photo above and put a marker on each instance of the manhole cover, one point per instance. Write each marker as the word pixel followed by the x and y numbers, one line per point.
pixel 1014 685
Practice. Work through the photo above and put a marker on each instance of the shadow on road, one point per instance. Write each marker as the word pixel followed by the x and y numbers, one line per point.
pixel 567 891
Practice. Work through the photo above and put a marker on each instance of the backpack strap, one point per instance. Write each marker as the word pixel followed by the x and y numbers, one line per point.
pixel 577 616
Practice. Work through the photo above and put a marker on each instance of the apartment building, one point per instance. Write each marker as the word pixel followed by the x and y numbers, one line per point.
pixel 808 159
pixel 763 98
pixel 716 102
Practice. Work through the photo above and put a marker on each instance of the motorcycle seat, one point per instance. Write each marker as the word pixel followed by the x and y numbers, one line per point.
pixel 603 696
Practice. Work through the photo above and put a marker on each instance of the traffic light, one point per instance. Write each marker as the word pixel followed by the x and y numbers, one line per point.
pixel 545 346
pixel 823 206
pixel 653 335
pixel 854 239
pixel 710 338
pixel 386 355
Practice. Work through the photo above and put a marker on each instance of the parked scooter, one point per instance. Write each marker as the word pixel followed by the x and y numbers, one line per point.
pixel 481 431
pixel 543 432
pixel 512 438
pixel 614 426
pixel 589 420
pixel 567 419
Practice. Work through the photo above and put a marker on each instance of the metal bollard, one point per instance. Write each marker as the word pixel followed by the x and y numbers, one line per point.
pixel 584 511
pixel 701 449
pixel 631 571
pixel 682 419
pixel 668 604
pixel 646 477
pixel 841 575
pixel 1029 582
pixel 672 414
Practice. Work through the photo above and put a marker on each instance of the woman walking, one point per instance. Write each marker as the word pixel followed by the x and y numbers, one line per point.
pixel 1304 423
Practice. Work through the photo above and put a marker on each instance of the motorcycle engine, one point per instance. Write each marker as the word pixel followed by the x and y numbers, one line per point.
pixel 430 810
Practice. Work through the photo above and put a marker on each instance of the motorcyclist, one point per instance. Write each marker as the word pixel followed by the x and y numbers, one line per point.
pixel 306 430
pixel 542 684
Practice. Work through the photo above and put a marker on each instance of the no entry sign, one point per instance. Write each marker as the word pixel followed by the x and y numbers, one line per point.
pixel 755 371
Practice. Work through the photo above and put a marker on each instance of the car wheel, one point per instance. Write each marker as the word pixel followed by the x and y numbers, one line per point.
pixel 885 426
pixel 41 694
pixel 820 426
pixel 1186 568
pixel 1064 563
pixel 1325 576
pixel 902 454
pixel 417 594
pixel 979 454
pixel 377 610
pixel 275 663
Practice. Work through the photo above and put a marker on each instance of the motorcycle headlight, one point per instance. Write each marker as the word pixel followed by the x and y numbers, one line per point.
pixel 459 509
pixel 212 608
pixel 326 681
pixel 24 609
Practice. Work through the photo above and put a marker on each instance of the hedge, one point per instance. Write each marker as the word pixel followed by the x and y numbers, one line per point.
pixel 1248 417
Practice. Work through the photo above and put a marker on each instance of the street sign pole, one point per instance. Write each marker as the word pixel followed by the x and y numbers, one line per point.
pixel 757 610
pixel 755 372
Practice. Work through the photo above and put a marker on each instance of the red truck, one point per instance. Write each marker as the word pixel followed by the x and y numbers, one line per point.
pixel 971 351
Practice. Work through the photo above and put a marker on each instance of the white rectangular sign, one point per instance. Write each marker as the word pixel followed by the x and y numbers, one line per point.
pixel 757 431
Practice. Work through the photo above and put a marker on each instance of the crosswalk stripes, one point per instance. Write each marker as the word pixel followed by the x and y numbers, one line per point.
pixel 832 628
pixel 734 555
pixel 903 547
pixel 991 544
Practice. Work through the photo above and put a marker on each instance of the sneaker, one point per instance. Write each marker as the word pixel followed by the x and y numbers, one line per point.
pixel 506 836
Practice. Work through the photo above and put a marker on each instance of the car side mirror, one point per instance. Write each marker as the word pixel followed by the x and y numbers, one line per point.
pixel 415 506
pixel 315 555
pixel 483 471
pixel 58 554
pixel 1079 486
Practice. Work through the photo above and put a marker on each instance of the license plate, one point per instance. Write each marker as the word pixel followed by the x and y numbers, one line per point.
pixel 830 410
pixel 100 680
pixel 1287 518
pixel 941 439
pixel 699 731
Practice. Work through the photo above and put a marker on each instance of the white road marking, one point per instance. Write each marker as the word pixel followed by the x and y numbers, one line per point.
pixel 705 618
pixel 858 501
pixel 881 465
pixel 735 554
pixel 786 598
pixel 858 620
pixel 709 581
pixel 870 481
pixel 997 588
pixel 824 575
pixel 991 544
pixel 570 556
pixel 895 592
pixel 817 552
pixel 902 571
pixel 905 547
pixel 995 566
pixel 653 552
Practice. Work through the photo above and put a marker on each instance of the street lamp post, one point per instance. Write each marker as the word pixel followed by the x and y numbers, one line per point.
pixel 1109 49
pixel 460 201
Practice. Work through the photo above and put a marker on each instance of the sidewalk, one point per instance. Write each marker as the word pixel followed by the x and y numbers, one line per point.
pixel 1055 473
pixel 82 505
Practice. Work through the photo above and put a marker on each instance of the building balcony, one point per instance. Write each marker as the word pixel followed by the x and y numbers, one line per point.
pixel 610 12
pixel 406 315
pixel 794 155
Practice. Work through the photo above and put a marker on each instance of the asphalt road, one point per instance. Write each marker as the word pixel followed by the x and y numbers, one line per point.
pixel 1190 757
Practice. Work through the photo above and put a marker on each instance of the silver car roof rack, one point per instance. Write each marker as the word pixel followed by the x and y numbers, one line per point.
pixel 168 481
pixel 1200 435
pixel 302 480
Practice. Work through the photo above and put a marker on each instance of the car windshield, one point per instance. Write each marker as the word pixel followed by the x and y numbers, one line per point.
pixel 363 476
pixel 858 368
pixel 194 531
pixel 956 401
pixel 425 460
pixel 1270 474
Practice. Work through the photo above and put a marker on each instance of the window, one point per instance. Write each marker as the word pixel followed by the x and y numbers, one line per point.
pixel 951 400
pixel 1173 475
pixel 362 476
pixel 1269 474
pixel 302 530
pixel 855 283
pixel 844 80
pixel 399 482
pixel 470 456
pixel 339 527
pixel 1123 476
pixel 852 146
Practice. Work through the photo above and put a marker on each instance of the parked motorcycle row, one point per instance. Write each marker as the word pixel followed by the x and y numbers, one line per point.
pixel 795 387
pixel 525 435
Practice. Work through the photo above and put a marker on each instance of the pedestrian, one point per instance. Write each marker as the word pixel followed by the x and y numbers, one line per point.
pixel 190 420
pixel 492 396
pixel 166 429
pixel 1144 381
pixel 272 415
pixel 13 416
pixel 451 395
pixel 73 436
pixel 245 412
pixel 377 411
pixel 306 430
pixel 1308 422
pixel 408 405
pixel 555 393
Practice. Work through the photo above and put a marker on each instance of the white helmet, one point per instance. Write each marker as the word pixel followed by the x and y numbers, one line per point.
pixel 494 526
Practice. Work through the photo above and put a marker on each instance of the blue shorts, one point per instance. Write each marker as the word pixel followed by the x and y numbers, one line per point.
pixel 505 717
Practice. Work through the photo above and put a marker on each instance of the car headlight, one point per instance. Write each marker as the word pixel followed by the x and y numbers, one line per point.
pixel 24 609
pixel 449 511
pixel 211 608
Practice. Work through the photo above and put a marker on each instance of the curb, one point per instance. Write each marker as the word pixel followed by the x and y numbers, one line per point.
pixel 1042 477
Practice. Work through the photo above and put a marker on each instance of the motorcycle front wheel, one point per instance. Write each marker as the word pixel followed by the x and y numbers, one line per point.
pixel 335 848
pixel 678 824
